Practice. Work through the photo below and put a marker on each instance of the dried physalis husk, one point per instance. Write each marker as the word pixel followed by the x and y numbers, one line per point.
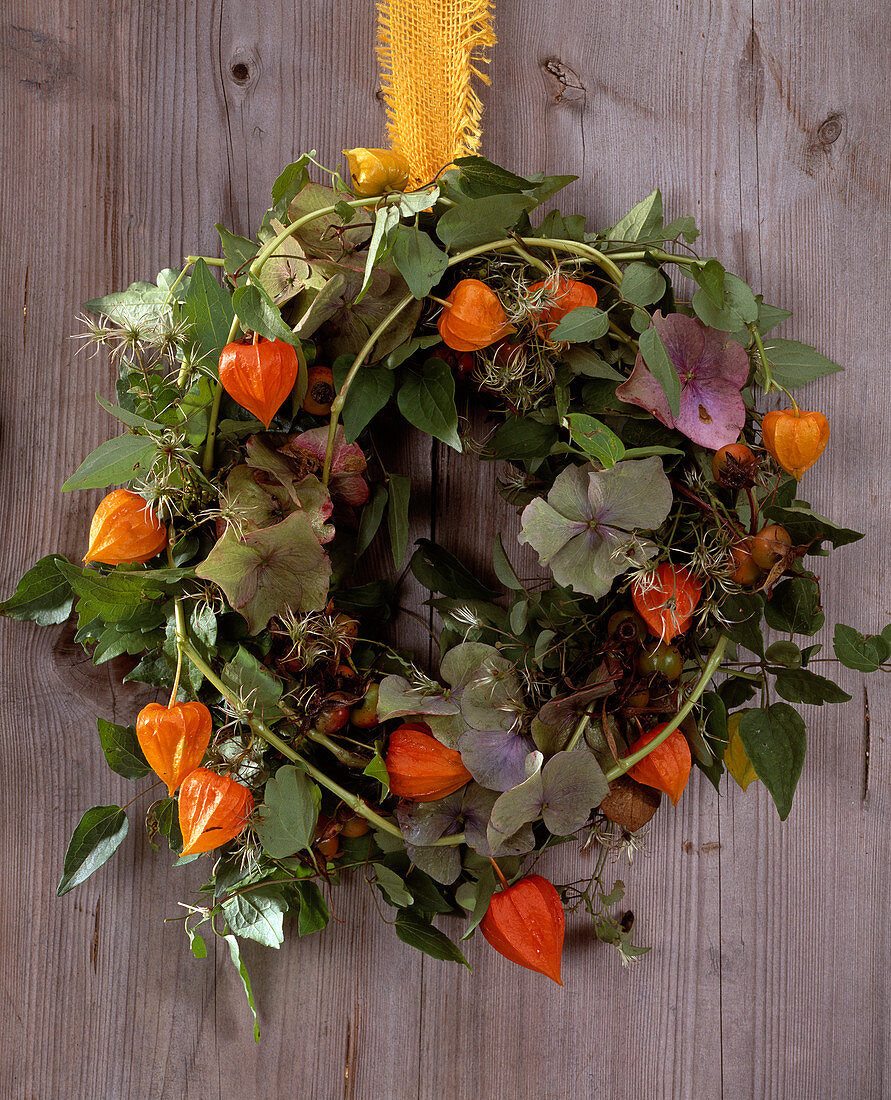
pixel 630 804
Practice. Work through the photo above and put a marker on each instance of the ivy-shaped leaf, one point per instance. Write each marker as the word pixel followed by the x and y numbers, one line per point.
pixel 775 741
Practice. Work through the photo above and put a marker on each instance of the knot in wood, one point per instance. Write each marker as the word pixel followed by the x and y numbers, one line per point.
pixel 563 83
pixel 831 128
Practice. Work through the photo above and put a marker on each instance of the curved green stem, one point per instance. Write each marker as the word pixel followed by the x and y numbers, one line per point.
pixel 180 619
pixel 655 254
pixel 709 669
pixel 622 337
pixel 576 736
pixel 770 382
pixel 338 402
pixel 533 261
pixel 576 248
pixel 350 759
pixel 210 442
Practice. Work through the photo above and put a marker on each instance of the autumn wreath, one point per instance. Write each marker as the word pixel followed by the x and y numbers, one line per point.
pixel 298 743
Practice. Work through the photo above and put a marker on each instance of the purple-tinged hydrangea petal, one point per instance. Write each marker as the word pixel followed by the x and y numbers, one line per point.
pixel 712 369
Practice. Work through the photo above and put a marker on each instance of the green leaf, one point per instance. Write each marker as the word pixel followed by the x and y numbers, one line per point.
pixel 770 316
pixel 270 571
pixel 98 836
pixel 596 439
pixel 504 571
pixel 290 182
pixel 711 278
pixel 385 219
pixel 793 364
pixel 209 310
pixel 122 752
pixel 370 390
pixel 641 222
pixel 196 943
pixel 426 399
pixel 377 769
pixel 481 220
pixel 522 439
pixel 257 312
pixel 141 305
pixel 238 963
pixel 800 685
pixel 237 252
pixel 419 261
pixel 794 607
pixel 862 652
pixel 784 653
pixel 581 325
pixel 440 571
pixel 738 307
pixel 392 887
pixel 419 933
pixel 112 463
pixel 586 361
pixel 479 176
pixel 807 527
pixel 289 812
pixel 740 617
pixel 162 818
pixel 119 597
pixel 642 284
pixel 397 516
pixel 131 419
pixel 370 519
pixel 43 595
pixel 657 359
pixel 775 741
pixel 257 915
pixel 313 915
pixel 681 227
pixel 253 682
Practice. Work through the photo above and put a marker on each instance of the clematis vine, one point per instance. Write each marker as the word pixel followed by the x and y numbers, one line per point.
pixel 586 530
pixel 712 367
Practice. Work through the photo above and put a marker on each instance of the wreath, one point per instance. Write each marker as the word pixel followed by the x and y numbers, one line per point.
pixel 298 742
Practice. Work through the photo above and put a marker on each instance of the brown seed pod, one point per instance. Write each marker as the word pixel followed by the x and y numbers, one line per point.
pixel 629 803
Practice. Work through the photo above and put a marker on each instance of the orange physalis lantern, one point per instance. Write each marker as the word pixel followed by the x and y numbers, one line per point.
pixel 526 923
pixel 422 769
pixel 473 318
pixel 566 295
pixel 124 530
pixel 259 376
pixel 213 809
pixel 666 601
pixel 795 438
pixel 174 739
pixel 667 767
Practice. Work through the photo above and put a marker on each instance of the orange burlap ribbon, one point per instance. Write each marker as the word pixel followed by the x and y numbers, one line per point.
pixel 430 50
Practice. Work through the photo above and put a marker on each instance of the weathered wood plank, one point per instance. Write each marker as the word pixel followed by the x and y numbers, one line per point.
pixel 805 942
pixel 128 133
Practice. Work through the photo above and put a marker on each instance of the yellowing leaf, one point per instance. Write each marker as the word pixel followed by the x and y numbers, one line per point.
pixel 737 762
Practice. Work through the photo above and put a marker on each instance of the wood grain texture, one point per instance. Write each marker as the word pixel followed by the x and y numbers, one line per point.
pixel 128 131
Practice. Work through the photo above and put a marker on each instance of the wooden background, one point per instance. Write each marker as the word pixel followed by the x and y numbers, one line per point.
pixel 128 129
